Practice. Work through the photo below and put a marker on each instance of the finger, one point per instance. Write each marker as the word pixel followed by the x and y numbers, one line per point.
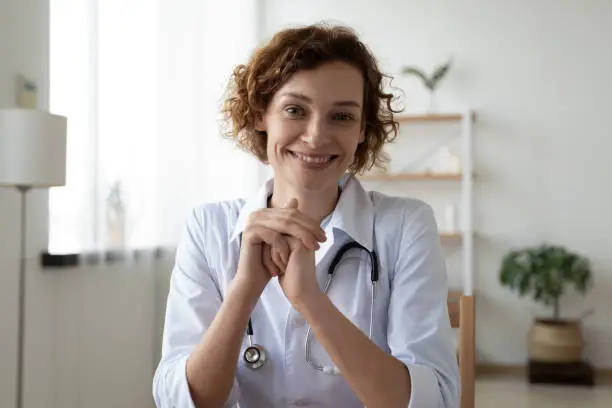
pixel 260 235
pixel 278 263
pixel 267 229
pixel 294 243
pixel 287 219
pixel 276 255
pixel 292 203
pixel 299 218
pixel 280 252
pixel 266 257
pixel 305 220
pixel 310 239
pixel 298 249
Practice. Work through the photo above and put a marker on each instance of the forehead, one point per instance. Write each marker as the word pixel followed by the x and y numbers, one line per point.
pixel 328 83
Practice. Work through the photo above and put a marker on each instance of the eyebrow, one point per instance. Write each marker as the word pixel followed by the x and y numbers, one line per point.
pixel 306 99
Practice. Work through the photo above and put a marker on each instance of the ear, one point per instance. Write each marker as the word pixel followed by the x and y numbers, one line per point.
pixel 362 130
pixel 260 124
pixel 362 135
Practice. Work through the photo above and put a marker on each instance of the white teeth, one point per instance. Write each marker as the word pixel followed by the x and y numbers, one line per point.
pixel 313 159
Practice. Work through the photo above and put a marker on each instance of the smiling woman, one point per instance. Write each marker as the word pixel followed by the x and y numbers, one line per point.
pixel 313 126
pixel 302 50
pixel 343 290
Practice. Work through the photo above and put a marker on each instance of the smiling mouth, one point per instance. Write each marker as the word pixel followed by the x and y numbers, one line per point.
pixel 314 160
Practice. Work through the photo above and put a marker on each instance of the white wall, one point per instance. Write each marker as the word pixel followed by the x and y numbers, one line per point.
pixel 537 73
pixel 23 50
pixel 90 333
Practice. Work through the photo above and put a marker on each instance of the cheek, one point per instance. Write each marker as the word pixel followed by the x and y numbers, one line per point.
pixel 350 141
pixel 281 134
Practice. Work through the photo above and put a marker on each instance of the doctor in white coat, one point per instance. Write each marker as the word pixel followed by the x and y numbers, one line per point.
pixel 268 306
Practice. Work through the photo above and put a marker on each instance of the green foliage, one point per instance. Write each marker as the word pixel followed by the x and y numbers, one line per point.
pixel 545 272
pixel 430 82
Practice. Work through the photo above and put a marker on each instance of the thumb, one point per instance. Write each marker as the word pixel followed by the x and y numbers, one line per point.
pixel 292 203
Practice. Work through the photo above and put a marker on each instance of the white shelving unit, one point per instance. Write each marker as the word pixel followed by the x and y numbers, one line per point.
pixel 461 303
pixel 467 199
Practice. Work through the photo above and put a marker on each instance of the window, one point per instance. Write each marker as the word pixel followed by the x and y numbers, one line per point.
pixel 141 83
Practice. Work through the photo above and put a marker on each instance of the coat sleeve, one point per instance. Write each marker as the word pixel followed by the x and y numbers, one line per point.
pixel 193 300
pixel 419 332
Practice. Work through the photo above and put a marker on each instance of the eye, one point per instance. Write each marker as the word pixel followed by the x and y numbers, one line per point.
pixel 294 111
pixel 344 117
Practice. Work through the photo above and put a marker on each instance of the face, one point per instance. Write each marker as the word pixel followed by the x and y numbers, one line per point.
pixel 314 125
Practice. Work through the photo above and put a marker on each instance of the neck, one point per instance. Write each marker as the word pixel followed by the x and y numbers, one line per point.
pixel 316 204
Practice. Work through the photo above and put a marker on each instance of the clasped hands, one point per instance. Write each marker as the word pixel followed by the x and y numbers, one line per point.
pixel 282 242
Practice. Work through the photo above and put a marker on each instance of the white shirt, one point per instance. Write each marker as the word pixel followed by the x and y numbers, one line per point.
pixel 410 312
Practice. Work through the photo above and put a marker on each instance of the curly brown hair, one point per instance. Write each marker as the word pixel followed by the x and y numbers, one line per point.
pixel 253 85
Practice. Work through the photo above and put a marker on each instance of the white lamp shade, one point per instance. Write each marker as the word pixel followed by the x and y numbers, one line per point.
pixel 32 148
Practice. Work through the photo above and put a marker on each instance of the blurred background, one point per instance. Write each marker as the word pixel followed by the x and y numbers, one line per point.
pixel 512 148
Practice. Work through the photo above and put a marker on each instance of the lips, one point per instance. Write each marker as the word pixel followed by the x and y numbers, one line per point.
pixel 318 159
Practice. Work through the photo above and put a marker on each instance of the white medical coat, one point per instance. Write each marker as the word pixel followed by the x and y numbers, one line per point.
pixel 410 312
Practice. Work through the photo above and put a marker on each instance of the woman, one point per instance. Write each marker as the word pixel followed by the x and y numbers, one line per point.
pixel 310 103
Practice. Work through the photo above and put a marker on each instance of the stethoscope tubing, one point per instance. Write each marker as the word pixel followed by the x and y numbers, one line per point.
pixel 331 272
pixel 374 275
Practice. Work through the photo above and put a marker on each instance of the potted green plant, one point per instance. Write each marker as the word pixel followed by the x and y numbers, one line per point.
pixel 430 82
pixel 546 272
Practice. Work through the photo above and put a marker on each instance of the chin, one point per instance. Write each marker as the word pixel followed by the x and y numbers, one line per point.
pixel 313 182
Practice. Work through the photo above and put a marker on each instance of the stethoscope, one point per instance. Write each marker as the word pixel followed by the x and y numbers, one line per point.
pixel 255 354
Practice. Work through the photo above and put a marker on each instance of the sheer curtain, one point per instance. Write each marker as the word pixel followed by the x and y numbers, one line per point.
pixel 141 82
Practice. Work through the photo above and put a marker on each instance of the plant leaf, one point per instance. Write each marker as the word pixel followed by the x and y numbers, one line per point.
pixel 440 73
pixel 417 72
pixel 545 272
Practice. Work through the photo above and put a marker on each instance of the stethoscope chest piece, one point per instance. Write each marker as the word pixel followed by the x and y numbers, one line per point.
pixel 254 356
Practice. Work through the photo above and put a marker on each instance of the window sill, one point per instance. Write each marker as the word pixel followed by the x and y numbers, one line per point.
pixel 64 261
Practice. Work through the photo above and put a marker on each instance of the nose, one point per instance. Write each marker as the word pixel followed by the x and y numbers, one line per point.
pixel 316 132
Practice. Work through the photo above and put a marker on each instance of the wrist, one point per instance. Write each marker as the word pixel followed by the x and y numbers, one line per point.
pixel 308 301
pixel 248 288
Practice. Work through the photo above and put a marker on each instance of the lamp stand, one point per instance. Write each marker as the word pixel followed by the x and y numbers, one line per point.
pixel 23 190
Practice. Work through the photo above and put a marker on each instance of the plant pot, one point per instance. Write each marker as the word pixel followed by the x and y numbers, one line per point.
pixel 556 341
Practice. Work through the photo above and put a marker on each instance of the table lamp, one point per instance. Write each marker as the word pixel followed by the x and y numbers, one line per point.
pixel 32 155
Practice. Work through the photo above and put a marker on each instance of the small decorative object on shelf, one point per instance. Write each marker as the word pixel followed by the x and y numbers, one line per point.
pixel 447 162
pixel 546 272
pixel 115 217
pixel 450 219
pixel 430 82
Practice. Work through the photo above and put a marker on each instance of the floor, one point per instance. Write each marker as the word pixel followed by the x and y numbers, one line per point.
pixel 515 392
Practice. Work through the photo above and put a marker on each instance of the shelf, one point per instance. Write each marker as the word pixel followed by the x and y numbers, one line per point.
pixel 431 117
pixel 447 236
pixel 410 176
